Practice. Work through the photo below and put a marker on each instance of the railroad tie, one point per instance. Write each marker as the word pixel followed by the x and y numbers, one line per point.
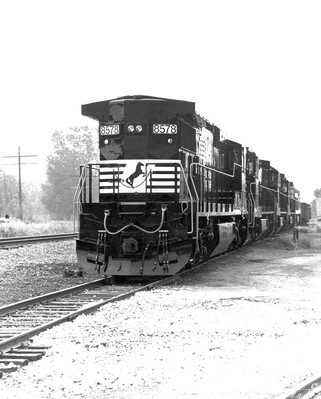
pixel 7 369
pixel 26 354
pixel 21 357
pixel 19 361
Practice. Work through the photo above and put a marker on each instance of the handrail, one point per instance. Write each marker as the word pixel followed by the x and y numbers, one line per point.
pixel 79 189
pixel 252 200
pixel 213 170
pixel 288 196
pixel 219 171
pixel 191 197
pixel 83 179
pixel 267 188
pixel 197 198
pixel 280 193
pixel 107 213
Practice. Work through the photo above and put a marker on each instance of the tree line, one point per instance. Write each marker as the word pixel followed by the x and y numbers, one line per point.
pixel 71 149
pixel 54 198
pixel 317 193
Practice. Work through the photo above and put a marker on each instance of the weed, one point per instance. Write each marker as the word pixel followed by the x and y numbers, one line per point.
pixel 16 228
pixel 287 242
pixel 305 230
pixel 305 242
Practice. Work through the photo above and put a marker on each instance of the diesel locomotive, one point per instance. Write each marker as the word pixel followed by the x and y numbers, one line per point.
pixel 169 191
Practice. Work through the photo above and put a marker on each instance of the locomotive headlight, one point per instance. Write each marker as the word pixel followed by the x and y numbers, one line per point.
pixel 170 141
pixel 106 141
pixel 139 128
pixel 131 128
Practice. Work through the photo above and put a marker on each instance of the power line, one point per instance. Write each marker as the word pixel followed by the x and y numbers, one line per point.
pixel 19 156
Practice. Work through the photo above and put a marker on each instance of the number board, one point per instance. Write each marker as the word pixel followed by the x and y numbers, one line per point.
pixel 164 128
pixel 109 130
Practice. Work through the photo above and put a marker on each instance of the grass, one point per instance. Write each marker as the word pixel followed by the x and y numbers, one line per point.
pixel 287 242
pixel 308 238
pixel 305 242
pixel 16 228
pixel 306 230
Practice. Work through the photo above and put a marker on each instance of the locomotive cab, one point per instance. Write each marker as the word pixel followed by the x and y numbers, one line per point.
pixel 140 127
pixel 144 212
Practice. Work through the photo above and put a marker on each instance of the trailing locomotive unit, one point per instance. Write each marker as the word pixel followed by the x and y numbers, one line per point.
pixel 169 192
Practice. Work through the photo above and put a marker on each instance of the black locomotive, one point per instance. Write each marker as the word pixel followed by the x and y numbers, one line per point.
pixel 170 192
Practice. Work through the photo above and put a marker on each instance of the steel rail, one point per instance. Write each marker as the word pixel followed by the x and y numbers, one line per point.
pixel 15 350
pixel 42 298
pixel 36 238
pixel 306 390
pixel 87 308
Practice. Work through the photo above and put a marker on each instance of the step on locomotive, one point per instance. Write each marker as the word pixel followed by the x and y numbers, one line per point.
pixel 170 192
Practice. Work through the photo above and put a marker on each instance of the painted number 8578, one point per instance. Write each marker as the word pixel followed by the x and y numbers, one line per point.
pixel 164 129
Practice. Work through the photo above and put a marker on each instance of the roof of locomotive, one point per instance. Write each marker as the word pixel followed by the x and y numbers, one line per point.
pixel 98 110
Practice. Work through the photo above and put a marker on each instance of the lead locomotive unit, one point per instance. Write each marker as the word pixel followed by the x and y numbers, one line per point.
pixel 169 192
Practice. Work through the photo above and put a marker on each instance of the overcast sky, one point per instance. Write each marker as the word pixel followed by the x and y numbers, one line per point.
pixel 252 67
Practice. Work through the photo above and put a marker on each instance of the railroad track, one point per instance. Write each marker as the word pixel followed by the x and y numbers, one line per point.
pixel 22 320
pixel 38 238
pixel 309 389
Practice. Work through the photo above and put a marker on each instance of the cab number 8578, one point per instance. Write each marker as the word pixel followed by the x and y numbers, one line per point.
pixel 106 130
pixel 164 129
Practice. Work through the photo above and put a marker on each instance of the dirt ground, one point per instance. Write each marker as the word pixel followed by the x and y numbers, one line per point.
pixel 247 326
pixel 36 269
pixel 264 258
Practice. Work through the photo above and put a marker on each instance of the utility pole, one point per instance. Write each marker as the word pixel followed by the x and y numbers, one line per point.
pixel 5 193
pixel 19 174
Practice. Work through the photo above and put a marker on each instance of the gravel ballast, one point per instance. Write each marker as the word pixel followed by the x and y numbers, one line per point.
pixel 247 327
pixel 36 269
